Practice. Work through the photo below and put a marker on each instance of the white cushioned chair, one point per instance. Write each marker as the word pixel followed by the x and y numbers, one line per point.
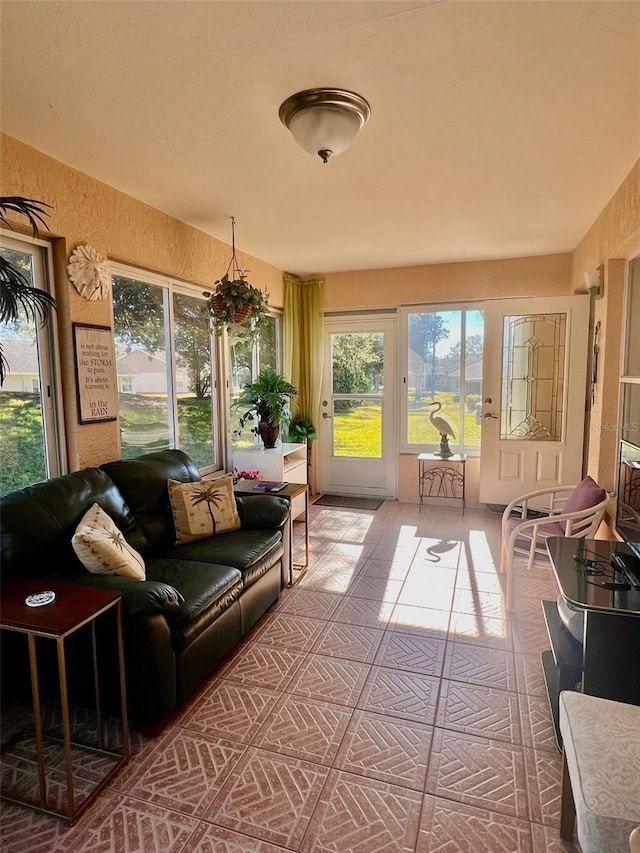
pixel 530 519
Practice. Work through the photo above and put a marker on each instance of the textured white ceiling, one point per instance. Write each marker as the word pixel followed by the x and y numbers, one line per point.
pixel 498 129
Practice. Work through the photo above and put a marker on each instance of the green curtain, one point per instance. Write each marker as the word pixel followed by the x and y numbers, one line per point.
pixel 304 342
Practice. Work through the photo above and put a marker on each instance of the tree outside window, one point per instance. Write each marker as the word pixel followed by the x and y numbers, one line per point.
pixel 163 404
pixel 444 363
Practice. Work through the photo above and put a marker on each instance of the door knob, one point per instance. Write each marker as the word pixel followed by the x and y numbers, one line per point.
pixel 489 417
pixel 325 415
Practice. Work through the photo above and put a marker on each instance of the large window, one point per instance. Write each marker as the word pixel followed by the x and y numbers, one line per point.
pixel 166 368
pixel 246 359
pixel 443 365
pixel 31 439
pixel 630 379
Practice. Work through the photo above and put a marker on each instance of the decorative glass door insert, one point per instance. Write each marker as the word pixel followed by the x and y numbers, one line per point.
pixel 534 347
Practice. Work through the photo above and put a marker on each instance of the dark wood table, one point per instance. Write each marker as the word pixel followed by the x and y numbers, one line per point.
pixel 607 662
pixel 74 607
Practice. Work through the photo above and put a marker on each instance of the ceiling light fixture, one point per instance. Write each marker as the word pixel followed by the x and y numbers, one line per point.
pixel 325 121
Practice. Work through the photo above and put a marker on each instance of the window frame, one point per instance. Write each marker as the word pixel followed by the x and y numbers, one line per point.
pixel 278 316
pixel 471 450
pixel 628 379
pixel 171 286
pixel 49 371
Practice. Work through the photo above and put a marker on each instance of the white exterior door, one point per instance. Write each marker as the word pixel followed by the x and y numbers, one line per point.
pixel 534 390
pixel 357 441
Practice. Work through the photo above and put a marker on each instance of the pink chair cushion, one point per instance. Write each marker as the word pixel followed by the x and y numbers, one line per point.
pixel 586 494
pixel 552 528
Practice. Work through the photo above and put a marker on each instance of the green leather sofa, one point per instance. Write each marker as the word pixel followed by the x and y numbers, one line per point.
pixel 198 600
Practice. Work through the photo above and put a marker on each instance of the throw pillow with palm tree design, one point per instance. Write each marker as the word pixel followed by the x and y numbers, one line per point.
pixel 203 509
pixel 102 549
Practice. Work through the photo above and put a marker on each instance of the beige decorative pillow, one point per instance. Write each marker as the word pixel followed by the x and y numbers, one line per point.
pixel 102 548
pixel 203 509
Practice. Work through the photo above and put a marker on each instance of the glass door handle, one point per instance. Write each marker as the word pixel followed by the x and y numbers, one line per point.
pixel 489 417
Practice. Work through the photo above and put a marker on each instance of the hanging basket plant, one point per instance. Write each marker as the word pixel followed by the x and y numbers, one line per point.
pixel 235 305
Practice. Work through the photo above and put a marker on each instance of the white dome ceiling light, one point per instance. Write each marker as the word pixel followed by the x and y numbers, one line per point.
pixel 325 121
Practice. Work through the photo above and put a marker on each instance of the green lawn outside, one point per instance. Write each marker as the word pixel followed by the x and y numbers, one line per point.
pixel 21 441
pixel 143 425
pixel 357 431
pixel 420 429
pixel 143 421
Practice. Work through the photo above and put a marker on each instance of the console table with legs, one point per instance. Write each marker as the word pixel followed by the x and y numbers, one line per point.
pixel 438 478
pixel 73 607
pixel 607 661
pixel 297 494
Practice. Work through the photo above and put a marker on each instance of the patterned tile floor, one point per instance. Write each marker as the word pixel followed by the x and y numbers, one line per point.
pixel 386 703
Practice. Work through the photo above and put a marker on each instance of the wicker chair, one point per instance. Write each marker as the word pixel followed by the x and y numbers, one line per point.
pixel 530 519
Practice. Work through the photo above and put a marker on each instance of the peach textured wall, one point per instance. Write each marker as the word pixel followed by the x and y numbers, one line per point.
pixel 546 275
pixel 121 228
pixel 612 240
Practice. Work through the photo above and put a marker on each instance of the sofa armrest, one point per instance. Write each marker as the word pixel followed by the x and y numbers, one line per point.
pixel 139 598
pixel 262 512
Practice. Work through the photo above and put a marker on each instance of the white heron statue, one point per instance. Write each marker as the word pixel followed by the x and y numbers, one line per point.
pixel 444 428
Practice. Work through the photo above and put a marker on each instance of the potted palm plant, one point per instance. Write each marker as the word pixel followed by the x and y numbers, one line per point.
pixel 266 401
pixel 301 430
pixel 236 304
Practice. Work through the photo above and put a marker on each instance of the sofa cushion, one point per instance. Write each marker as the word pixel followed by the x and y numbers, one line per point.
pixel 203 509
pixel 52 510
pixel 139 598
pixel 201 585
pixel 102 548
pixel 265 512
pixel 143 484
pixel 253 552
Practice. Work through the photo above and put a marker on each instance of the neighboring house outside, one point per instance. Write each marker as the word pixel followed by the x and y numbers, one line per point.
pixel 142 373
pixel 22 357
pixel 138 372
pixel 447 374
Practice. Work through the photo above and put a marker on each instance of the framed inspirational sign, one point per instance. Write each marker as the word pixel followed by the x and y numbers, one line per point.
pixel 95 373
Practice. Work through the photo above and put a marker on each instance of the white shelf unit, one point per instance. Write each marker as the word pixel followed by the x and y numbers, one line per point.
pixel 285 463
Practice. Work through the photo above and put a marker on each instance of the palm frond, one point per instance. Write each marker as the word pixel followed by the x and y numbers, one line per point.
pixel 4 366
pixel 17 294
pixel 32 209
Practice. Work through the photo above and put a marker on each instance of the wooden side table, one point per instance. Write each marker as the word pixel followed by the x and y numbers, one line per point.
pixel 295 493
pixel 438 479
pixel 74 607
